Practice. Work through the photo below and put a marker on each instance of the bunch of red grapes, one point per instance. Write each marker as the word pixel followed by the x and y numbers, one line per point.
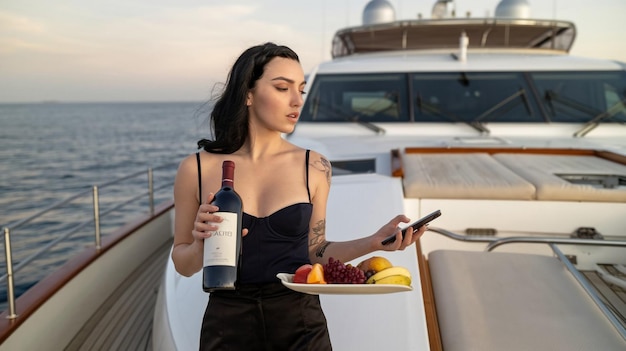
pixel 335 272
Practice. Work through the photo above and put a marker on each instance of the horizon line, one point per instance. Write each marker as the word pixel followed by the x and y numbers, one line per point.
pixel 61 102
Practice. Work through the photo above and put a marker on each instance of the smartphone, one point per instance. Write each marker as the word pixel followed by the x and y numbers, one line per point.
pixel 416 226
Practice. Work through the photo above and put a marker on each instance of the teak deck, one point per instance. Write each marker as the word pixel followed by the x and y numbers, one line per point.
pixel 124 321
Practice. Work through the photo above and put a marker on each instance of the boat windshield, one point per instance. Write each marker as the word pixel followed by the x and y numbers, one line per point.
pixel 473 98
pixel 362 97
pixel 579 97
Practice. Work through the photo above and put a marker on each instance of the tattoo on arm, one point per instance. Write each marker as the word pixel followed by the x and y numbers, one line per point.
pixel 321 249
pixel 324 166
pixel 319 238
pixel 319 233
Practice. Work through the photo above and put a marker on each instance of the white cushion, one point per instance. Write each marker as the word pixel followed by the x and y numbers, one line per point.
pixel 542 170
pixel 462 176
pixel 502 301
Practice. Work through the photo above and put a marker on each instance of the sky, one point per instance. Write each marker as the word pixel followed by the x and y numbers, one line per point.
pixel 180 50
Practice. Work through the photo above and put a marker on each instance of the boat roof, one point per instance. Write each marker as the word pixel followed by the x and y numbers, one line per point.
pixel 426 34
pixel 478 60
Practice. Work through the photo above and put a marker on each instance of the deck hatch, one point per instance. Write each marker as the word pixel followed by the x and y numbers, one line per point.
pixel 603 181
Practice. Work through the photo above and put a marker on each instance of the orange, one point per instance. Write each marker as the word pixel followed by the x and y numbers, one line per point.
pixel 316 275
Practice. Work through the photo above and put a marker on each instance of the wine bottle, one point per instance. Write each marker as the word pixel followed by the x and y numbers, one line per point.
pixel 222 249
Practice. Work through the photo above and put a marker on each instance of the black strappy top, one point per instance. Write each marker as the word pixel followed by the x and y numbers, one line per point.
pixel 277 243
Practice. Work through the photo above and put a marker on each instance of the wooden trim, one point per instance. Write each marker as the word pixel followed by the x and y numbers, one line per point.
pixel 608 155
pixel 611 156
pixel 37 295
pixel 494 150
pixel 430 310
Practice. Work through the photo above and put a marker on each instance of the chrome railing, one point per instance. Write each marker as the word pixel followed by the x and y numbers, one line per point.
pixel 494 242
pixel 97 215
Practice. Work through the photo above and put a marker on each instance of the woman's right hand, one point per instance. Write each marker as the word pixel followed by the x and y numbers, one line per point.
pixel 206 221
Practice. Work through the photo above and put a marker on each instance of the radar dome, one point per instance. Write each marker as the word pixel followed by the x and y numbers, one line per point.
pixel 513 9
pixel 378 11
pixel 440 9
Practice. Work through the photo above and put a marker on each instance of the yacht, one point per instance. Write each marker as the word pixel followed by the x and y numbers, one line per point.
pixel 520 145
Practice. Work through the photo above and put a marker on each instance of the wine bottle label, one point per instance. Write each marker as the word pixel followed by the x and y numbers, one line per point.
pixel 221 248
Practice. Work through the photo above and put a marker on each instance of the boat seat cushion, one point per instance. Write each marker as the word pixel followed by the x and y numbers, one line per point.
pixel 542 170
pixel 462 176
pixel 505 301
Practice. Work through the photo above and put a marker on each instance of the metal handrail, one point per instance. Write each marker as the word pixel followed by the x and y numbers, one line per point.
pixel 26 220
pixel 459 237
pixel 78 227
pixel 551 241
pixel 11 270
pixel 495 242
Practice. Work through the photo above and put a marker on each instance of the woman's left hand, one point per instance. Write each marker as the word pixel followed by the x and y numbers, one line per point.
pixel 392 228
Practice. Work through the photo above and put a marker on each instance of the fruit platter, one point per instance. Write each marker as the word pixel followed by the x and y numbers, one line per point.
pixel 375 275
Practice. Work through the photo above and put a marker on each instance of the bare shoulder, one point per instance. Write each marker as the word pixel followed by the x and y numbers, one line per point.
pixel 319 161
pixel 189 165
pixel 190 162
pixel 185 189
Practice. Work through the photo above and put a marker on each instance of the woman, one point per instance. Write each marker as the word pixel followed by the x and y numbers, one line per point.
pixel 284 190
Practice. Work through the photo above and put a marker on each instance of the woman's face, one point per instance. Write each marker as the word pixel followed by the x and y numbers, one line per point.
pixel 276 99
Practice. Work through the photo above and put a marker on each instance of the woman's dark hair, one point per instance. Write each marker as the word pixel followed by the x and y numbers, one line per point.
pixel 229 118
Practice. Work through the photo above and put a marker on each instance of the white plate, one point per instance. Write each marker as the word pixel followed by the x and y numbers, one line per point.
pixel 341 289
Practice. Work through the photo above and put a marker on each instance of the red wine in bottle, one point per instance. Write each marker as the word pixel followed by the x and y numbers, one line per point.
pixel 223 248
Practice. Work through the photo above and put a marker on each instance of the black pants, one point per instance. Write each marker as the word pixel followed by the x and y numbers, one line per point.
pixel 266 317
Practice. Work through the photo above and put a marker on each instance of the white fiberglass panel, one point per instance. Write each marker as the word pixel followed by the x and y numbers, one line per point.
pixel 358 206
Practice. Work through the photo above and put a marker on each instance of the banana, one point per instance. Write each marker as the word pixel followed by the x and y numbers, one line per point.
pixel 391 271
pixel 395 279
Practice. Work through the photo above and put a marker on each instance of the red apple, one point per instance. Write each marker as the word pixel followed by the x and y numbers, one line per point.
pixel 301 273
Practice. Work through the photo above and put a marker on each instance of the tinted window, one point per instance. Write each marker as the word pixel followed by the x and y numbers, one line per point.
pixel 581 96
pixel 365 97
pixel 473 97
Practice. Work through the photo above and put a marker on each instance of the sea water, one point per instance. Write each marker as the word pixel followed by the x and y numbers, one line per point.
pixel 51 151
